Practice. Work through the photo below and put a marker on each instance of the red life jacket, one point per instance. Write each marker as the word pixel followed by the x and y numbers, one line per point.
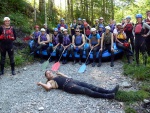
pixel 138 28
pixel 87 31
pixel 7 34
pixel 128 27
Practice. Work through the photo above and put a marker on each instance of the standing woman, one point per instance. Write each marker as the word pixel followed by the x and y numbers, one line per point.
pixel 140 35
pixel 107 41
pixel 7 36
pixel 148 38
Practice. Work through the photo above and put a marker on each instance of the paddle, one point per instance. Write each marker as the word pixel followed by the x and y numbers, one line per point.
pixel 45 64
pixel 83 67
pixel 56 66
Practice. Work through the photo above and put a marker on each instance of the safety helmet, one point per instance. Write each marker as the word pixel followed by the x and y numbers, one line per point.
pixel 79 19
pixel 62 19
pixel 107 27
pixel 55 29
pixel 138 15
pixel 62 28
pixel 42 30
pixel 128 17
pixel 65 30
pixel 6 18
pixel 93 29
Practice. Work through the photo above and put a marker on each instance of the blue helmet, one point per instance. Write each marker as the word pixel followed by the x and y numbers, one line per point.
pixel 79 19
pixel 128 17
pixel 138 15
pixel 101 26
pixel 55 30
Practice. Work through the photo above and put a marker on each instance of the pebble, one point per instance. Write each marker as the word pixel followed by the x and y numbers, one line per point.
pixel 126 84
pixel 24 68
pixel 41 108
pixel 146 101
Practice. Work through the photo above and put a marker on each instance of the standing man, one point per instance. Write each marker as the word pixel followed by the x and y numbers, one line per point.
pixel 62 24
pixel 72 27
pixel 7 36
pixel 80 26
pixel 101 23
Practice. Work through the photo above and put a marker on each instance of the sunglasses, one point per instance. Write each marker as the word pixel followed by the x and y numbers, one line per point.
pixel 77 31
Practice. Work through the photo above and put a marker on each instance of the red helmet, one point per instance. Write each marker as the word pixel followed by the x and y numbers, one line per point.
pixel 85 24
pixel 36 26
pixel 126 44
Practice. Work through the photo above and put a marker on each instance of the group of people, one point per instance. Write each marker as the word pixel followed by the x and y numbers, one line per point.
pixel 100 38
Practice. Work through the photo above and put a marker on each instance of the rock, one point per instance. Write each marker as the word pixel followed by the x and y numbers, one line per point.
pixel 126 84
pixel 146 101
pixel 25 69
pixel 41 108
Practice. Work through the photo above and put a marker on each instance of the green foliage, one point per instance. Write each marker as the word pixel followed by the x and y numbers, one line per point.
pixel 132 96
pixel 130 110
pixel 140 72
pixel 145 86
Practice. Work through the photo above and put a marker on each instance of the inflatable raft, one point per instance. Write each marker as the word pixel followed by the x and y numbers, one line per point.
pixel 105 54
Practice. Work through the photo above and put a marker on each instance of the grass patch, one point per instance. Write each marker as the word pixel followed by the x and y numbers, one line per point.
pixel 130 110
pixel 145 86
pixel 132 96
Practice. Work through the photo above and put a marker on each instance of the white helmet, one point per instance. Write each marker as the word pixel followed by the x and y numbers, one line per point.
pixel 62 28
pixel 6 18
pixel 118 24
pixel 42 29
pixel 93 29
pixel 107 27
pixel 65 30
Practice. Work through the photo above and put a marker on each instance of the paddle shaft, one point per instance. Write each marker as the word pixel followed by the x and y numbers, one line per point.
pixel 88 56
pixel 61 55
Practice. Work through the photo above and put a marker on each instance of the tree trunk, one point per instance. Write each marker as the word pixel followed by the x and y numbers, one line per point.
pixel 41 5
pixel 72 10
pixel 92 3
pixel 112 9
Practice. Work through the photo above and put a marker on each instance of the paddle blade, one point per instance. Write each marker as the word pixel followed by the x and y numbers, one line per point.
pixel 56 66
pixel 45 64
pixel 82 68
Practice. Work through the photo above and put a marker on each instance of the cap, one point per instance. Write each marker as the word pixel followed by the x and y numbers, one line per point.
pixel 101 18
pixel 93 29
pixel 62 19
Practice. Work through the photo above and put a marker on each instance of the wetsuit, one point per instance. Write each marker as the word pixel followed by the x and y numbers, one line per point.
pixel 140 45
pixel 76 87
pixel 147 40
pixel 128 30
pixel 6 45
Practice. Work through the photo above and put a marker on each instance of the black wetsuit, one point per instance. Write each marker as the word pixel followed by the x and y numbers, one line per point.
pixel 76 87
pixel 6 45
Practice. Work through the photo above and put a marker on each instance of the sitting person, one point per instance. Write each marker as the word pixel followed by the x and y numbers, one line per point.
pixel 55 42
pixel 94 41
pixel 78 41
pixel 34 36
pixel 66 45
pixel 121 40
pixel 43 42
pixel 100 31
pixel 76 87
pixel 107 41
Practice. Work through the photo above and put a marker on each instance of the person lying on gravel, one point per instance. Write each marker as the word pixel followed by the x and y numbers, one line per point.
pixel 70 85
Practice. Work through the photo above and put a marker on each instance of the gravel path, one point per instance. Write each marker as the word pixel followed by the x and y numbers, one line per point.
pixel 20 94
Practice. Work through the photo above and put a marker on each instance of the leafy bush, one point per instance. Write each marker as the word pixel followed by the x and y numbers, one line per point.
pixel 130 110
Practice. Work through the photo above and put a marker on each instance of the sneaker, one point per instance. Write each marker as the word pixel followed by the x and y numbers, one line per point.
pixel 111 64
pixel 115 90
pixel 74 62
pixel 93 64
pixel 99 64
pixel 13 73
pixel 110 96
pixel 80 62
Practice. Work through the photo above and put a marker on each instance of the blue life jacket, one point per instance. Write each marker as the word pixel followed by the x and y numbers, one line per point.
pixel 66 40
pixel 94 39
pixel 78 39
pixel 55 39
pixel 103 27
pixel 43 37
pixel 100 33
